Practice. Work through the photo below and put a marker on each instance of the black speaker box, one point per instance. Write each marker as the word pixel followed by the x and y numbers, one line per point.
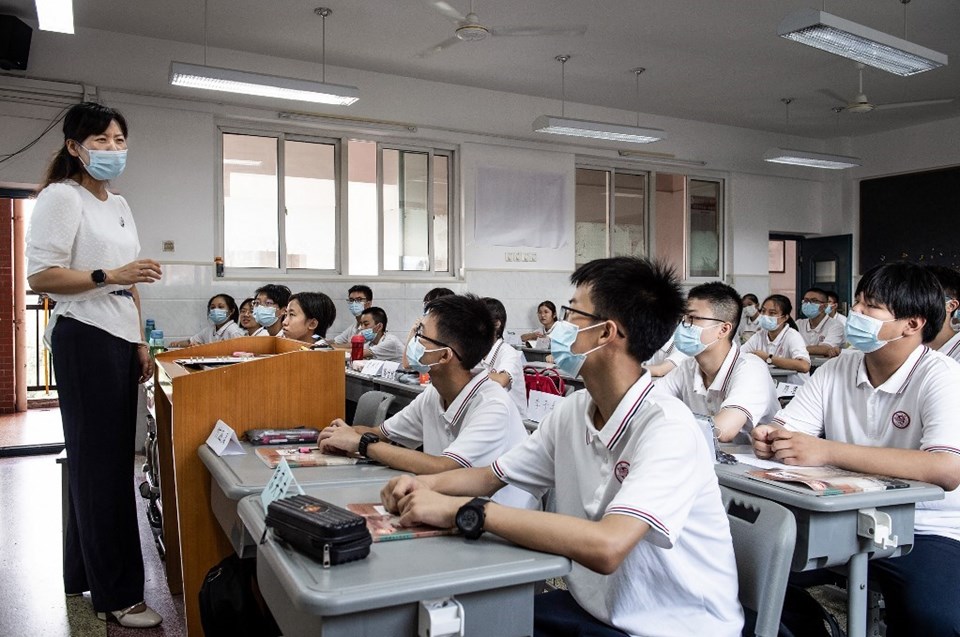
pixel 14 43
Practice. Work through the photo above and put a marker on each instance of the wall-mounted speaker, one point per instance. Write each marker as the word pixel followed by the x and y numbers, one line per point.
pixel 14 43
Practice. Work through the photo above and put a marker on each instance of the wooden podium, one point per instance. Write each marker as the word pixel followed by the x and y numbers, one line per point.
pixel 287 387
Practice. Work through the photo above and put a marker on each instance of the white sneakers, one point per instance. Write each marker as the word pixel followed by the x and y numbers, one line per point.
pixel 137 616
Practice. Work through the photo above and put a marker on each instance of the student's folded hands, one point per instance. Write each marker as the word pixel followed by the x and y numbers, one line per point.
pixel 339 439
pixel 790 447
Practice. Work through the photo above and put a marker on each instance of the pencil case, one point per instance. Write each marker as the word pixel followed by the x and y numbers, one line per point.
pixel 282 436
pixel 327 533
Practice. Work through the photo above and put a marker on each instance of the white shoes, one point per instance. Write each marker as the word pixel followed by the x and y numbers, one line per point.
pixel 137 616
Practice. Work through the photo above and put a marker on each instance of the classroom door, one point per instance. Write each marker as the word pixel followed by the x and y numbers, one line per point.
pixel 826 262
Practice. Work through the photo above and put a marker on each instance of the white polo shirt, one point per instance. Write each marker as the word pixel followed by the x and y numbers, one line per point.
pixel 952 347
pixel 479 426
pixel 262 331
pixel 390 348
pixel 668 352
pixel 212 334
pixel 743 382
pixel 828 332
pixel 788 344
pixel 344 337
pixel 916 408
pixel 504 358
pixel 748 327
pixel 650 462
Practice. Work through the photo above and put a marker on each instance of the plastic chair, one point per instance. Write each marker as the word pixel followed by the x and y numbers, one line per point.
pixel 764 534
pixel 372 408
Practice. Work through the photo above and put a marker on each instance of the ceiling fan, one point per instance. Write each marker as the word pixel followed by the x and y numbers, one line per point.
pixel 469 28
pixel 860 103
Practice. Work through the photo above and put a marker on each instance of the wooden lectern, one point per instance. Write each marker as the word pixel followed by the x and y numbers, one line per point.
pixel 284 387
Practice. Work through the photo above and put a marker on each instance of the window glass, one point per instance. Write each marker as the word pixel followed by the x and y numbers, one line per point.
pixel 630 211
pixel 363 229
pixel 704 228
pixel 310 196
pixel 251 233
pixel 441 213
pixel 592 211
pixel 406 230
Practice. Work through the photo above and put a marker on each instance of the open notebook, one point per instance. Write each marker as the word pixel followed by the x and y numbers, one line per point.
pixel 826 480
pixel 385 526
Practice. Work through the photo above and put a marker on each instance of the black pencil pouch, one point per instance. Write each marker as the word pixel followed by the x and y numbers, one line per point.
pixel 327 533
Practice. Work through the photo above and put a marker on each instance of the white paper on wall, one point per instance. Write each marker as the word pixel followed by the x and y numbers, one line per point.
pixel 519 208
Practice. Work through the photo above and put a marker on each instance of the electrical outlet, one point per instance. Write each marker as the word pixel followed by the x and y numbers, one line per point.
pixel 168 246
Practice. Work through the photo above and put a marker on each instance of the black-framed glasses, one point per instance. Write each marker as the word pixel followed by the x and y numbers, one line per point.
pixel 419 334
pixel 566 309
pixel 361 300
pixel 688 319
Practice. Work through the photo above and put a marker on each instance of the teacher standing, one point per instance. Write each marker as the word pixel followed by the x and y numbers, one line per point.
pixel 82 249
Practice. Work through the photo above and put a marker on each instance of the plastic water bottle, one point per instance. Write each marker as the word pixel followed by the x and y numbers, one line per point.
pixel 148 328
pixel 156 343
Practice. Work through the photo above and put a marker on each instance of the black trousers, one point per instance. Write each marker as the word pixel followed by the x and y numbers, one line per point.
pixel 97 384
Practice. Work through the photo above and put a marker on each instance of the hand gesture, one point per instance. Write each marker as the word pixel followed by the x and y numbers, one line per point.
pixel 139 271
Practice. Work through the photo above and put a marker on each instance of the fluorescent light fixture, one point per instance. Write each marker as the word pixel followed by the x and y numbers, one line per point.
pixel 349 122
pixel 660 159
pixel 811 160
pixel 596 130
pixel 231 81
pixel 851 40
pixel 55 15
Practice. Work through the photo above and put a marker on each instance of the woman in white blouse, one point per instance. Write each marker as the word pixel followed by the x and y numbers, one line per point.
pixel 547 315
pixel 778 342
pixel 82 250
pixel 222 314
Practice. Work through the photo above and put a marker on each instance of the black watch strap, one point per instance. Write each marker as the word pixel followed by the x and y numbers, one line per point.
pixel 471 517
pixel 366 440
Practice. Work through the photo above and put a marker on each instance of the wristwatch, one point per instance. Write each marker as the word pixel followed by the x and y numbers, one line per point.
pixel 470 518
pixel 99 278
pixel 365 440
pixel 770 359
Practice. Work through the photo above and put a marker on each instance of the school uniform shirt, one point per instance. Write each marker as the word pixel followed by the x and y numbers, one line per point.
pixel 913 409
pixel 650 462
pixel 668 352
pixel 742 382
pixel 839 318
pixel 828 332
pixel 479 426
pixel 748 327
pixel 345 336
pixel 952 347
pixel 70 228
pixel 263 332
pixel 390 348
pixel 212 334
pixel 502 357
pixel 788 344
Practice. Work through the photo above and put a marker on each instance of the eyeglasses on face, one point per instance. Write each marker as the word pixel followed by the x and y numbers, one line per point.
pixel 565 311
pixel 419 335
pixel 359 299
pixel 688 319
pixel 263 304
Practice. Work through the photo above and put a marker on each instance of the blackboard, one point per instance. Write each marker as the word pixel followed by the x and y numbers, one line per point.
pixel 914 217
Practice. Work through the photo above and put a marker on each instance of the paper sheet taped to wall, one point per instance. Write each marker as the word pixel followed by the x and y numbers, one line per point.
pixel 518 208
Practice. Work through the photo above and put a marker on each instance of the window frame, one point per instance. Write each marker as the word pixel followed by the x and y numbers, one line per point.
pixel 721 230
pixel 611 218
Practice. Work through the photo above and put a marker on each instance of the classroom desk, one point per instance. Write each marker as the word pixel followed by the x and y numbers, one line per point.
pixel 493 579
pixel 534 354
pixel 575 381
pixel 358 384
pixel 827 533
pixel 779 372
pixel 235 477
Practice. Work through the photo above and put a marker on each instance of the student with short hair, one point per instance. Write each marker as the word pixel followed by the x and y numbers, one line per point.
pixel 822 334
pixel 359 298
pixel 947 340
pixel 890 409
pixel 504 363
pixel 719 380
pixel 749 317
pixel 833 307
pixel 246 320
pixel 308 317
pixel 778 343
pixel 378 343
pixel 461 419
pixel 269 304
pixel 223 314
pixel 638 503
pixel 431 295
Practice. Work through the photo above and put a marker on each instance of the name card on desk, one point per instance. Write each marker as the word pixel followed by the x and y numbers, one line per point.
pixel 389 370
pixel 223 440
pixel 512 338
pixel 371 367
pixel 539 404
pixel 787 390
pixel 280 485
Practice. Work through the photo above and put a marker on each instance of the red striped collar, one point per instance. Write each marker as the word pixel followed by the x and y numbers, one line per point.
pixel 722 380
pixel 899 380
pixel 618 423
pixel 455 411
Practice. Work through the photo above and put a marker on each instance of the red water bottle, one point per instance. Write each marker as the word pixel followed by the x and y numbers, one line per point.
pixel 356 347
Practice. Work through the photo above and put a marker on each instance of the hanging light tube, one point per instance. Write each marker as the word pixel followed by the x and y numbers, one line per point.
pixel 810 159
pixel 246 83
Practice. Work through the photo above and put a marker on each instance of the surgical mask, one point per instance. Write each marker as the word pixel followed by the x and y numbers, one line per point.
pixel 265 316
pixel 955 320
pixel 687 339
pixel 810 309
pixel 415 351
pixel 105 164
pixel 356 307
pixel 829 309
pixel 561 339
pixel 862 332
pixel 217 315
pixel 368 334
pixel 768 323
pixel 750 311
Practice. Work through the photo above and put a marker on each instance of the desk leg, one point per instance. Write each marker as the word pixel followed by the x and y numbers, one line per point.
pixel 857 595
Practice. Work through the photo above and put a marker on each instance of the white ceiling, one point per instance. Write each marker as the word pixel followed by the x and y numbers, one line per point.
pixel 708 60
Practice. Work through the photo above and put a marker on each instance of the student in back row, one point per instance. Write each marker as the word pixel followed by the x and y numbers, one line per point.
pixel 504 363
pixel 308 317
pixel 947 340
pixel 359 298
pixel 822 333
pixel 378 343
pixel 890 409
pixel 223 315
pixel 269 307
pixel 719 380
pixel 778 343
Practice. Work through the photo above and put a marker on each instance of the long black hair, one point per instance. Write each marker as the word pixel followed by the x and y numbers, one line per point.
pixel 81 121
pixel 233 312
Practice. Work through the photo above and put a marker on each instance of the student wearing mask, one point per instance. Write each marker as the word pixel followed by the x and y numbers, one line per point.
pixel 890 409
pixel 359 298
pixel 947 340
pixel 246 320
pixel 308 317
pixel 718 380
pixel 547 315
pixel 378 343
pixel 222 314
pixel 269 305
pixel 461 419
pixel 431 295
pixel 822 334
pixel 665 360
pixel 833 307
pixel 504 363
pixel 778 343
pixel 749 318
pixel 638 504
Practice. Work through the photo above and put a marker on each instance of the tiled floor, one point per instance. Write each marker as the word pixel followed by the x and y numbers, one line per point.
pixel 32 427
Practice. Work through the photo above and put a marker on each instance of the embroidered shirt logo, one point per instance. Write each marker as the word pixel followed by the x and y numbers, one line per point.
pixel 621 470
pixel 901 420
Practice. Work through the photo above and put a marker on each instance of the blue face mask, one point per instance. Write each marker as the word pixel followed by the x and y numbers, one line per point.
pixel 415 351
pixel 105 164
pixel 810 309
pixel 562 338
pixel 863 331
pixel 355 307
pixel 687 339
pixel 768 323
pixel 265 316
pixel 750 311
pixel 830 309
pixel 368 334
pixel 955 320
pixel 217 315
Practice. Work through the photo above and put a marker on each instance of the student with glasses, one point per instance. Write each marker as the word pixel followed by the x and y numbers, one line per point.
pixel 461 419
pixel 359 298
pixel 778 343
pixel 269 308
pixel 638 503
pixel 246 320
pixel 822 334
